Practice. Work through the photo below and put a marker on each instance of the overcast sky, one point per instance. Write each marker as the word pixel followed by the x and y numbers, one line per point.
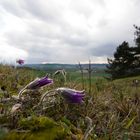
pixel 65 31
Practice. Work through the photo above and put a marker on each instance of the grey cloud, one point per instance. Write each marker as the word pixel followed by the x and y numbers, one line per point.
pixel 103 23
pixel 14 8
pixel 30 9
pixel 35 9
pixel 52 34
pixel 39 48
pixel 43 10
pixel 103 50
pixel 136 2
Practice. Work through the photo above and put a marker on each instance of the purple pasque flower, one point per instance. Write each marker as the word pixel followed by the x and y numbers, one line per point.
pixel 71 95
pixel 20 61
pixel 39 82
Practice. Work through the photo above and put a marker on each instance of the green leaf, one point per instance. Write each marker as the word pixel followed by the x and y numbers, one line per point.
pixel 130 122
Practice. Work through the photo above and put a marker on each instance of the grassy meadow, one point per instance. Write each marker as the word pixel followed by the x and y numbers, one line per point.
pixel 110 111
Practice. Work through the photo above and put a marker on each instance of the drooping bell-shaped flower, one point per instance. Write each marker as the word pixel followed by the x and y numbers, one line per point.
pixel 71 95
pixel 39 82
pixel 20 61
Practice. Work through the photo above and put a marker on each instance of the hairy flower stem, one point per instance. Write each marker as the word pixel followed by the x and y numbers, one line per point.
pixel 89 128
pixel 21 91
pixel 47 94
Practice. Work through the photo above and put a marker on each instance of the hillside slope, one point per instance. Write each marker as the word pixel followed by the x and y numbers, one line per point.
pixel 110 111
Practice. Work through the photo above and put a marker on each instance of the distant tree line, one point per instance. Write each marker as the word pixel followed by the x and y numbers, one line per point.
pixel 126 61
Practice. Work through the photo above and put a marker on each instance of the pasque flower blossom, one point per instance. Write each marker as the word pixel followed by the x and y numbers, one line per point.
pixel 39 82
pixel 20 61
pixel 71 95
pixel 36 84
